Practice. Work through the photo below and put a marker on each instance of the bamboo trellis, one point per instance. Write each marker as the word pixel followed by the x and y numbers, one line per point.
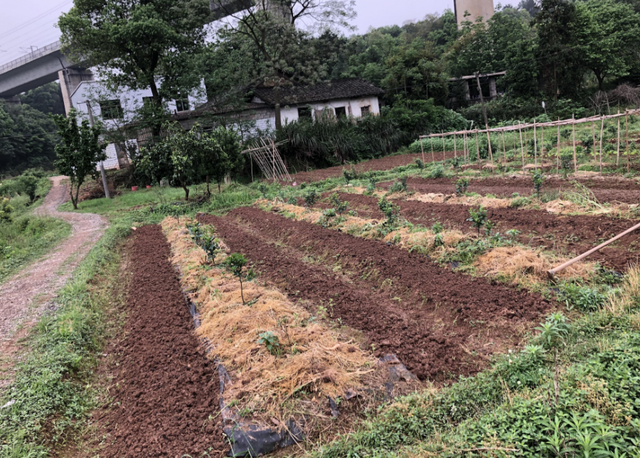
pixel 269 160
pixel 535 125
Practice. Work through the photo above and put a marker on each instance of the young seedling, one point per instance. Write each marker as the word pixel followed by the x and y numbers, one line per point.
pixel 271 341
pixel 538 179
pixel 478 217
pixel 419 164
pixel 195 230
pixel 437 228
pixel 340 207
pixel 235 264
pixel 310 198
pixel 399 186
pixel 488 227
pixel 462 185
pixel 552 336
pixel 210 244
pixel 390 210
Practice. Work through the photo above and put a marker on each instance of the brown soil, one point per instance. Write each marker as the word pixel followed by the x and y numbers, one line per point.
pixel 384 163
pixel 605 189
pixel 165 390
pixel 565 234
pixel 432 318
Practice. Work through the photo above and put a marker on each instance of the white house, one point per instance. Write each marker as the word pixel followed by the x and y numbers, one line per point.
pixel 117 110
pixel 352 98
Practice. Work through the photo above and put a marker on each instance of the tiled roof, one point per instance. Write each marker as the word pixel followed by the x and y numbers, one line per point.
pixel 320 92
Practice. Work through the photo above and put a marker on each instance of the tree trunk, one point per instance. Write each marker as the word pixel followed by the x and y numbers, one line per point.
pixel 278 117
pixel 219 188
pixel 186 193
pixel 156 127
pixel 74 199
pixel 208 190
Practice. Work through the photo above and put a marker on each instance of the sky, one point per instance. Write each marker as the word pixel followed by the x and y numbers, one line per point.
pixel 31 23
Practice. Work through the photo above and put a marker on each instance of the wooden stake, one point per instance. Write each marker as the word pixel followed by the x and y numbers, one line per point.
pixel 477 147
pixel 601 140
pixel 558 152
pixel 593 133
pixel 521 145
pixel 626 123
pixel 542 147
pixel 504 148
pixel 535 145
pixel 422 147
pixel 618 148
pixel 490 151
pixel 553 272
pixel 455 147
pixel 433 155
pixel 443 155
pixel 575 155
pixel 466 146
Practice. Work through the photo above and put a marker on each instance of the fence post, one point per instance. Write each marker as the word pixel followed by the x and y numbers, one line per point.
pixel 601 140
pixel 535 145
pixel 521 145
pixel 575 154
pixel 558 151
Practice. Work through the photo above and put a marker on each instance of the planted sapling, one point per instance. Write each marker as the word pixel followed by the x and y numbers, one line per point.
pixel 437 227
pixel 263 188
pixel 271 341
pixel 391 212
pixel 462 185
pixel 419 164
pixel 210 244
pixel 478 217
pixel 538 179
pixel 235 264
pixel 310 198
pixel 488 227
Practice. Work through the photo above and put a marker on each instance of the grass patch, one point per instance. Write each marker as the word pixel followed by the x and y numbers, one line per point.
pixel 49 399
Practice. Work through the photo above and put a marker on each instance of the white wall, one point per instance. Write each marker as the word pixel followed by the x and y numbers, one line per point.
pixel 353 107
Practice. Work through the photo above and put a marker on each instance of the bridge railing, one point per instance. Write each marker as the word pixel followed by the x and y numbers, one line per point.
pixel 33 55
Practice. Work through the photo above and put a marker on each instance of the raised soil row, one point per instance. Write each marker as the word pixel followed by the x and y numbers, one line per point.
pixel 605 189
pixel 431 318
pixel 165 390
pixel 563 234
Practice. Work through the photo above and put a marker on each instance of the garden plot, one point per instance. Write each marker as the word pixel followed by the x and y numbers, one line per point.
pixel 440 324
pixel 605 189
pixel 165 390
pixel 562 234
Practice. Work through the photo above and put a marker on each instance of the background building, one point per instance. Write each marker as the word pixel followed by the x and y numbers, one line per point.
pixel 475 8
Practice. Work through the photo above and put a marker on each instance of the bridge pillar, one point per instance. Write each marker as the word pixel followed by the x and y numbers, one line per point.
pixel 70 79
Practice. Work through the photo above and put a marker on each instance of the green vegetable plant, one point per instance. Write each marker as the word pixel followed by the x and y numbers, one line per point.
pixel 553 333
pixel 235 264
pixel 462 185
pixel 210 244
pixel 310 198
pixel 271 341
pixel 399 186
pixel 391 212
pixel 340 206
pixel 419 164
pixel 478 216
pixel 538 180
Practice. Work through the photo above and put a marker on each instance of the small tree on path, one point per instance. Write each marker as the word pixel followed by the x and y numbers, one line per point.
pixel 79 151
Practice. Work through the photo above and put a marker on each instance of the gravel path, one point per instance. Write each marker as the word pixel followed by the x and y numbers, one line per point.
pixel 28 294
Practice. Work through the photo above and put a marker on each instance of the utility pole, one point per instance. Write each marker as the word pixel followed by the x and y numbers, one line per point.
pixel 102 172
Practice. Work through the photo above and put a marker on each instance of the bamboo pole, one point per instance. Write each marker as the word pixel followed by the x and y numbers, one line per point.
pixel 618 147
pixel 443 155
pixel 575 154
pixel 553 272
pixel 490 149
pixel 477 147
pixel 593 133
pixel 433 155
pixel 455 147
pixel 558 152
pixel 535 145
pixel 464 147
pixel 626 123
pixel 504 148
pixel 522 147
pixel 601 140
pixel 422 148
pixel 542 147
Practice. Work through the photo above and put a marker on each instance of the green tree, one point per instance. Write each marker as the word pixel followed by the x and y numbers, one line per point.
pixel 609 38
pixel 79 151
pixel 140 44
pixel 220 155
pixel 47 99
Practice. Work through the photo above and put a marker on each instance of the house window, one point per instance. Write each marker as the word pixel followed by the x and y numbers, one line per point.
pixel 147 102
pixel 341 112
pixel 366 111
pixel 111 109
pixel 182 104
pixel 304 113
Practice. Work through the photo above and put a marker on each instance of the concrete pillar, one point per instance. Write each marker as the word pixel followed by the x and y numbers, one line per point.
pixel 70 79
pixel 493 91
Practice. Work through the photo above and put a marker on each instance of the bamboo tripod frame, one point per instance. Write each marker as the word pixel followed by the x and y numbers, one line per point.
pixel 269 160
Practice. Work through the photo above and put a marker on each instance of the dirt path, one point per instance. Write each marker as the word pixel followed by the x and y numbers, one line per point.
pixel 32 291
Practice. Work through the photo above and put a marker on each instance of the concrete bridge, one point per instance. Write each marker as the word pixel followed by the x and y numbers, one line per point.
pixel 48 64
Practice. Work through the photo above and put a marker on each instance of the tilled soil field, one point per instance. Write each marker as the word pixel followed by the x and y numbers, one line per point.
pixel 384 163
pixel 165 390
pixel 605 189
pixel 439 323
pixel 565 234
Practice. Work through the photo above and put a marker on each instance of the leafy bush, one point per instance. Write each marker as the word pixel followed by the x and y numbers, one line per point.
pixel 583 298
pixel 310 198
pixel 478 216
pixel 419 164
pixel 391 212
pixel 400 185
pixel 6 210
pixel 520 202
pixel 538 180
pixel 437 172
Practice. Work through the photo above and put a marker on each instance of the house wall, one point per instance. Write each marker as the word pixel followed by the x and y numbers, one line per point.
pixel 130 100
pixel 353 106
